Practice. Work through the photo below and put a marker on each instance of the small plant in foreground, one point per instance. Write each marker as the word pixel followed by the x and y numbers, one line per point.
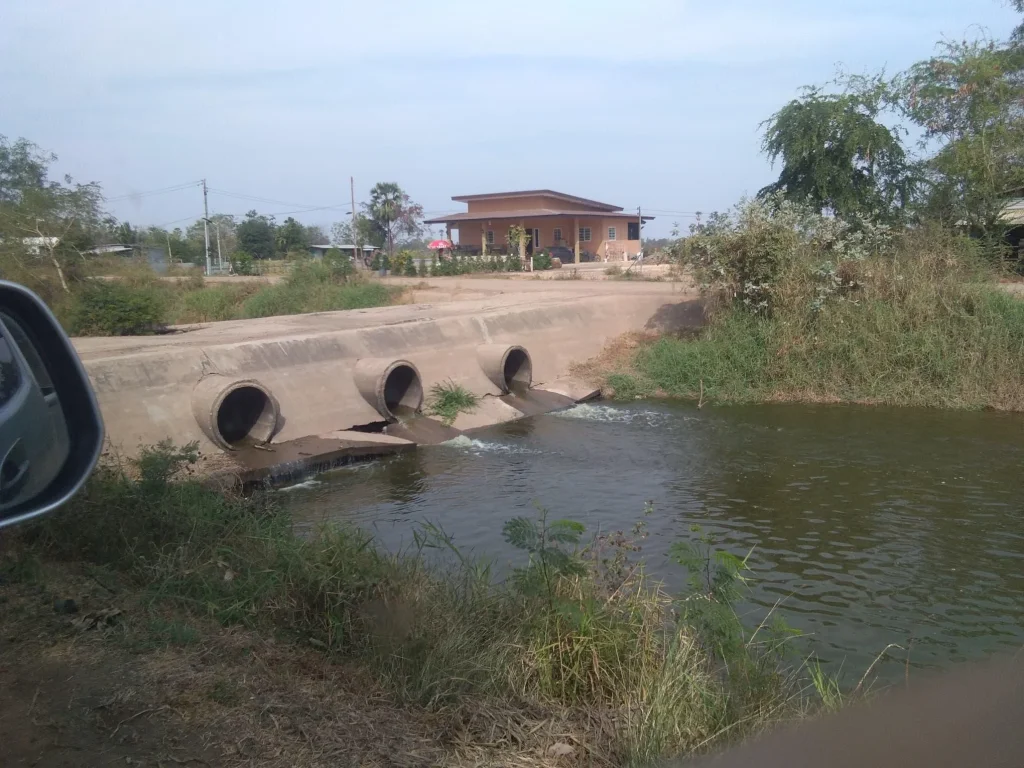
pixel 448 400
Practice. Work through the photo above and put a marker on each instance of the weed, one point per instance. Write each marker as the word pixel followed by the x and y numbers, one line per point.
pixel 613 271
pixel 448 400
pixel 114 308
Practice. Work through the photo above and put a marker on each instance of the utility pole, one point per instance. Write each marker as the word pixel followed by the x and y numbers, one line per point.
pixel 357 255
pixel 639 228
pixel 206 227
pixel 220 259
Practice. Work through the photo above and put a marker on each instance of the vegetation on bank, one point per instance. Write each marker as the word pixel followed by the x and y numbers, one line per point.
pixel 804 307
pixel 576 635
pixel 139 302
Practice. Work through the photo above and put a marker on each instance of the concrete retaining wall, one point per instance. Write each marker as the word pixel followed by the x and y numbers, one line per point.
pixel 145 386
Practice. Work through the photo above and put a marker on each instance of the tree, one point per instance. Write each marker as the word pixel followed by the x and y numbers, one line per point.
pixel 837 156
pixel 969 101
pixel 256 235
pixel 125 234
pixel 393 214
pixel 41 218
pixel 180 246
pixel 365 233
pixel 291 236
pixel 315 235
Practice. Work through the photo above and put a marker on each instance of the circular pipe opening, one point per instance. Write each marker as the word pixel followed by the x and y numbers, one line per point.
pixel 402 393
pixel 246 415
pixel 517 370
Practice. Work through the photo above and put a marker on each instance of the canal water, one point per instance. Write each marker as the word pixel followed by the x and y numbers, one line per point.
pixel 867 526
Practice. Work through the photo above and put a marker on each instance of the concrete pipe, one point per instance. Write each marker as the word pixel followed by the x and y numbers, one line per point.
pixel 392 387
pixel 234 413
pixel 509 367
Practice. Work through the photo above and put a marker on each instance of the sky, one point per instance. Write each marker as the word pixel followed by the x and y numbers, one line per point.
pixel 651 103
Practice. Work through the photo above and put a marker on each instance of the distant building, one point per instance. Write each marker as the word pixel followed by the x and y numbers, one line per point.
pixel 550 218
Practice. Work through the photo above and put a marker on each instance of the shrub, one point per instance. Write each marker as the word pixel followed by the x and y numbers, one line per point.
pixel 613 271
pixel 242 263
pixel 214 302
pixel 339 263
pixel 410 267
pixel 759 252
pixel 111 308
pixel 542 261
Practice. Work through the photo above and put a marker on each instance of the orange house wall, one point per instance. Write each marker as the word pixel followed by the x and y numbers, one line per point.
pixel 471 234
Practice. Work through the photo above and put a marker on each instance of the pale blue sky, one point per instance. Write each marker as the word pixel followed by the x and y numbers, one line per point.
pixel 651 102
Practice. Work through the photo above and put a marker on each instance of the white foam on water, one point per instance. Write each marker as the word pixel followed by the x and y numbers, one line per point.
pixel 304 485
pixel 482 446
pixel 611 414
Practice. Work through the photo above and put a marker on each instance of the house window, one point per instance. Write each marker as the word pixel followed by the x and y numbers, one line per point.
pixel 611 233
pixel 633 230
pixel 490 237
pixel 557 234
pixel 584 234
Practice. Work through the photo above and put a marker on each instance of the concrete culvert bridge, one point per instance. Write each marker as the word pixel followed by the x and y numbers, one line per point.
pixel 392 387
pixel 508 366
pixel 235 412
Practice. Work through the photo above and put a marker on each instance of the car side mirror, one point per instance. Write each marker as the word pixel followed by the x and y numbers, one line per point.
pixel 51 431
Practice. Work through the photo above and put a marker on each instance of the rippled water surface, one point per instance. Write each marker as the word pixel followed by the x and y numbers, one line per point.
pixel 869 526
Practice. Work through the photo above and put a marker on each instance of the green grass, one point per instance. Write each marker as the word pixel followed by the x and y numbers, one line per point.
pixel 448 400
pixel 927 326
pixel 578 636
pixel 139 303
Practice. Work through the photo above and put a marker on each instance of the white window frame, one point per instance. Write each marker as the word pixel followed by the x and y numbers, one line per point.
pixel 584 234
pixel 611 233
pixel 489 237
pixel 557 235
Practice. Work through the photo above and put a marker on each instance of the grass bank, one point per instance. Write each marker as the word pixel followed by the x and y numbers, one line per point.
pixel 139 302
pixel 576 658
pixel 914 319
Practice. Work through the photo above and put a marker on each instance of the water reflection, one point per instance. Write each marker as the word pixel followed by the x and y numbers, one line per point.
pixel 872 526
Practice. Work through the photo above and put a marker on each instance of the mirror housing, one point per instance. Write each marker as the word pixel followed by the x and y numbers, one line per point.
pixel 51 430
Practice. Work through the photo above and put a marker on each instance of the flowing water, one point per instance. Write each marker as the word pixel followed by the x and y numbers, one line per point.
pixel 867 526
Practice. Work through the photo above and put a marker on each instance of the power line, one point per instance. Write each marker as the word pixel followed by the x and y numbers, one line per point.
pixel 299 206
pixel 177 221
pixel 161 191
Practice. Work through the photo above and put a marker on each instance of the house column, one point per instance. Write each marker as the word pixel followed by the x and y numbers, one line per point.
pixel 522 243
pixel 483 239
pixel 448 232
pixel 576 237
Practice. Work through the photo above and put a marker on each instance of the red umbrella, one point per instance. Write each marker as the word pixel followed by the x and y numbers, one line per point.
pixel 438 245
